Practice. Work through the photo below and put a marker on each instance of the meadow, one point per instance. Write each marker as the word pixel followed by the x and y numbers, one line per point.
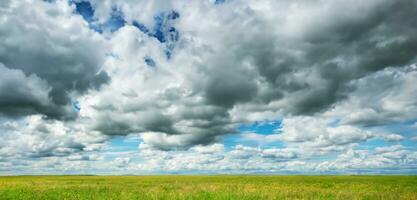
pixel 208 187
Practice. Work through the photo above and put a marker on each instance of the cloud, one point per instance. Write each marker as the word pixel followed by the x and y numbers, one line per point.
pixel 53 52
pixel 93 157
pixel 247 71
pixel 213 148
pixel 281 154
pixel 382 150
pixel 393 138
pixel 20 94
pixel 121 162
pixel 384 97
pixel 261 138
pixel 185 75
pixel 316 132
pixel 35 137
pixel 245 159
pixel 357 161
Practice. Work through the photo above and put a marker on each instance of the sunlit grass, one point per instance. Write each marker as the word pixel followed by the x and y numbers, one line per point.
pixel 208 187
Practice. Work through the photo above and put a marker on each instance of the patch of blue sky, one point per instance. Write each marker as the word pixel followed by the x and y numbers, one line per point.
pixel 140 26
pixel 159 27
pixel 334 123
pixel 372 143
pixel 173 35
pixel 264 127
pixel 150 62
pixel 163 30
pixel 169 50
pixel 230 141
pixel 86 10
pixel 219 1
pixel 122 147
pixel 115 22
pixel 407 129
pixel 76 105
pixel 409 144
pixel 122 144
pixel 173 15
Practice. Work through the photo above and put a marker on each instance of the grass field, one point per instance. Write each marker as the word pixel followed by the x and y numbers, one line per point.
pixel 208 187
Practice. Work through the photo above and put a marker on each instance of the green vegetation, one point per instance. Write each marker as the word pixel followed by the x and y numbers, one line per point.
pixel 208 187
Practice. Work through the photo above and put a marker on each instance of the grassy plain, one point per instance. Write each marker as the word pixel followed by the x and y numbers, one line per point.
pixel 208 187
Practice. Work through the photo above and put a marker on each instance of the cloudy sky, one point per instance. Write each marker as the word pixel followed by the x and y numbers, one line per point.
pixel 208 86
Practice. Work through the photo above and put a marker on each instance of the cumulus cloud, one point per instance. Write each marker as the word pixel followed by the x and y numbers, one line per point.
pixel 213 148
pixel 194 97
pixel 34 137
pixel 391 157
pixel 21 94
pixel 47 42
pixel 317 132
pixel 384 97
pixel 393 137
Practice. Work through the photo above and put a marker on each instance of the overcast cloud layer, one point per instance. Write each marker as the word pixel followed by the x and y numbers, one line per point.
pixel 235 86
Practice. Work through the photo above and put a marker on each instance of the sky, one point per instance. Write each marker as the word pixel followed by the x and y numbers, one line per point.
pixel 208 87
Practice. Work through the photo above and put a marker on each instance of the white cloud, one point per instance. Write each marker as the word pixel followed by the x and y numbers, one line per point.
pixel 213 148
pixel 384 97
pixel 261 138
pixel 318 132
pixel 393 137
pixel 34 137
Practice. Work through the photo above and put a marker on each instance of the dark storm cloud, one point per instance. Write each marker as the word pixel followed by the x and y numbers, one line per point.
pixel 37 46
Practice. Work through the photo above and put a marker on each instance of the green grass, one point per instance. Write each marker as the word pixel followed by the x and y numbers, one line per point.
pixel 208 187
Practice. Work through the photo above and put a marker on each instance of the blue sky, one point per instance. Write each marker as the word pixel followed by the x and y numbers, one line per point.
pixel 208 87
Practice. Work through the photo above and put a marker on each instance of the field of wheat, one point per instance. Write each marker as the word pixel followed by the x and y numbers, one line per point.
pixel 208 187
